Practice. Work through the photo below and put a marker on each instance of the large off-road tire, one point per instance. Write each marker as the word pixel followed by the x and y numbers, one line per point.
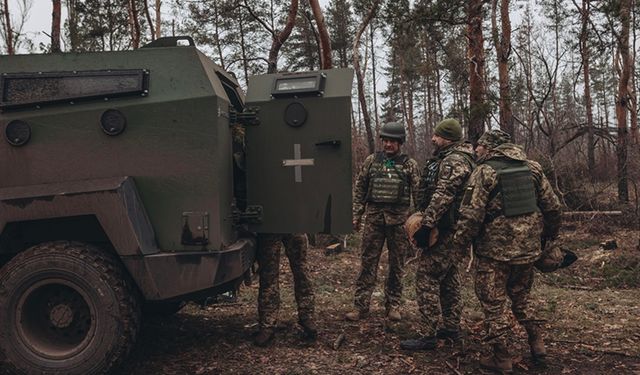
pixel 66 308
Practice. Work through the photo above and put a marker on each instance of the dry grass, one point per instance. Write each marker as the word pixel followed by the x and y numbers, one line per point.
pixel 593 325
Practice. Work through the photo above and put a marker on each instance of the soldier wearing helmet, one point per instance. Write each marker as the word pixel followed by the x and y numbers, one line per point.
pixel 508 208
pixel 384 188
pixel 438 276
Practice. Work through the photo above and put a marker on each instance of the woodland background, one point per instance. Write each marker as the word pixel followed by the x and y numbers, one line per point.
pixel 559 75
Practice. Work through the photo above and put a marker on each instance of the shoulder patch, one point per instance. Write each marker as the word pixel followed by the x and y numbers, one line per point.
pixel 446 172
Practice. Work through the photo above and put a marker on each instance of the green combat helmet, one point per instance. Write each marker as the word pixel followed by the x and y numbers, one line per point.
pixel 393 130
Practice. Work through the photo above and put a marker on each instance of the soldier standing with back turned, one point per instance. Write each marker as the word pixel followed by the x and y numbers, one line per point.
pixel 508 208
pixel 383 191
pixel 438 276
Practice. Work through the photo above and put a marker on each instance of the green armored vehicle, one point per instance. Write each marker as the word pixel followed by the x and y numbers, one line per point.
pixel 139 178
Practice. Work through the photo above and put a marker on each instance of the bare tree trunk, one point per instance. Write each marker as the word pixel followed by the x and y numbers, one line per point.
pixel 477 106
pixel 373 77
pixel 8 33
pixel 72 20
pixel 158 19
pixel 280 38
pixel 148 15
pixel 325 40
pixel 243 47
pixel 218 46
pixel 359 75
pixel 406 96
pixel 586 57
pixel 502 44
pixel 622 101
pixel 55 26
pixel 633 97
pixel 134 23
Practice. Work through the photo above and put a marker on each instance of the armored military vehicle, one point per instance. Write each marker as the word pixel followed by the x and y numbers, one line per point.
pixel 140 178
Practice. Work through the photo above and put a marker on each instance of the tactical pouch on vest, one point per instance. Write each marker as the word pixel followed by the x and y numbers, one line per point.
pixel 515 182
pixel 388 184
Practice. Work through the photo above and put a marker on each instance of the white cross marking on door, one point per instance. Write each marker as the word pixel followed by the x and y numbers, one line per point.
pixel 297 162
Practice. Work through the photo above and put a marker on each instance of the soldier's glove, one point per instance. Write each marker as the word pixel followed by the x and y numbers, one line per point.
pixel 413 227
pixel 554 256
pixel 569 258
pixel 420 235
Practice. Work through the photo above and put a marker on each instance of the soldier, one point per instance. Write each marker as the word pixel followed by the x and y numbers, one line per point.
pixel 383 191
pixel 508 208
pixel 438 276
pixel 295 247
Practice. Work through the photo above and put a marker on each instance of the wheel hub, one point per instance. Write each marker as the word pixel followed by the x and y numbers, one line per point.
pixel 61 316
pixel 55 319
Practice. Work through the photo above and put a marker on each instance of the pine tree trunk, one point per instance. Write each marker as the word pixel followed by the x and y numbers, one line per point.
pixel 374 79
pixel 323 33
pixel 134 23
pixel 158 19
pixel 55 26
pixel 360 76
pixel 8 32
pixel 279 38
pixel 72 20
pixel 477 106
pixel 502 43
pixel 622 101
pixel 148 15
pixel 585 52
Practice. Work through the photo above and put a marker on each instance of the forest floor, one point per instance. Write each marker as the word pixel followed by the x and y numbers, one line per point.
pixel 592 312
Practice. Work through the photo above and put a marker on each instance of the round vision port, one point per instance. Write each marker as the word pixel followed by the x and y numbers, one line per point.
pixel 17 133
pixel 295 114
pixel 113 122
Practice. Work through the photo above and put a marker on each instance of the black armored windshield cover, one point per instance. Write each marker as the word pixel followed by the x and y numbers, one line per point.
pixel 20 90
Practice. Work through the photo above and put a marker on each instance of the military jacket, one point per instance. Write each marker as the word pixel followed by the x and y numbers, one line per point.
pixel 442 183
pixel 514 239
pixel 377 211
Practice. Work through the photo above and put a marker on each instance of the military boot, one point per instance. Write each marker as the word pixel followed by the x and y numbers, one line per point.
pixel 393 314
pixel 309 329
pixel 448 334
pixel 500 361
pixel 536 344
pixel 264 337
pixel 422 343
pixel 355 315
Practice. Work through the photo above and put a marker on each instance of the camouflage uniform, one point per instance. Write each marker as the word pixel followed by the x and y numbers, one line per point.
pixel 505 247
pixel 438 276
pixel 383 221
pixel 295 246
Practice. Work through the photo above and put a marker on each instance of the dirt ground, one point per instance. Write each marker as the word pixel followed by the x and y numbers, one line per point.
pixel 592 312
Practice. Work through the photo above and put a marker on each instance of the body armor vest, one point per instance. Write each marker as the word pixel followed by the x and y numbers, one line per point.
pixel 516 184
pixel 450 217
pixel 388 181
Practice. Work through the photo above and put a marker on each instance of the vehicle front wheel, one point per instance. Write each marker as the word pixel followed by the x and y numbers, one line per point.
pixel 66 308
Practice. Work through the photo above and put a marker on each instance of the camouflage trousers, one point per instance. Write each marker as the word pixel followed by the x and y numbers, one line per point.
pixel 295 247
pixel 496 281
pixel 438 283
pixel 373 238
